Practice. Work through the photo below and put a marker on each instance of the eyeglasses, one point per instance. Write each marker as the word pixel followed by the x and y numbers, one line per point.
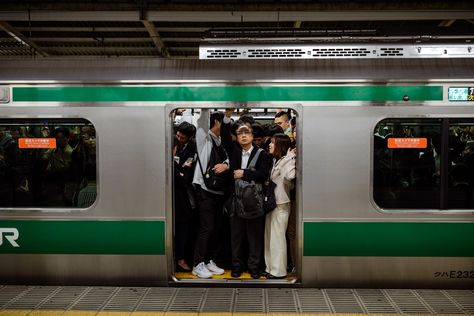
pixel 244 133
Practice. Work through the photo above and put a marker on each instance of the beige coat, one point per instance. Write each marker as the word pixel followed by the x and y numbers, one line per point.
pixel 282 174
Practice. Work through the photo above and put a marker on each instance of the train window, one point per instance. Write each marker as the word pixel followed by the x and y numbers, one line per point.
pixel 199 208
pixel 460 179
pixel 47 163
pixel 406 170
pixel 424 164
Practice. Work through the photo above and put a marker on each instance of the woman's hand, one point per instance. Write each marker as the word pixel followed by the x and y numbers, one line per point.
pixel 291 151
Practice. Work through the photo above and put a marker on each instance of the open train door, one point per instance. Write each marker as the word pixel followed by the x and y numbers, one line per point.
pixel 184 218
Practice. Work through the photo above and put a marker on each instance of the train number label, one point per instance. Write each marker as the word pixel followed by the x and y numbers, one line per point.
pixel 460 274
pixel 10 234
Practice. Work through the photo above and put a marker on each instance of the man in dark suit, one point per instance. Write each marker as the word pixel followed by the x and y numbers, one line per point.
pixel 250 230
pixel 184 200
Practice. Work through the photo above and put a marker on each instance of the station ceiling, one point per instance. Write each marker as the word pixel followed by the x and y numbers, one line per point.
pixel 175 28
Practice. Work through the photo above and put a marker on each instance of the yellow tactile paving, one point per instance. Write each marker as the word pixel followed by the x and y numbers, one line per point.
pixel 181 314
pixel 114 313
pixel 80 313
pixel 148 314
pixel 214 314
pixel 46 313
pixel 14 312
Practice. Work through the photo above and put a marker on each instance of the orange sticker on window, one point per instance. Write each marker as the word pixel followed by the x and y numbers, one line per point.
pixel 407 143
pixel 25 143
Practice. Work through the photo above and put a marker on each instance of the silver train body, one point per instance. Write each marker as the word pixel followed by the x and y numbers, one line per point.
pixel 334 197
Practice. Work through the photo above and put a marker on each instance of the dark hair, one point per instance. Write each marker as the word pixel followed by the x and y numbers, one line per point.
pixel 293 121
pixel 247 118
pixel 187 129
pixel 281 145
pixel 273 129
pixel 257 130
pixel 283 113
pixel 216 115
pixel 62 130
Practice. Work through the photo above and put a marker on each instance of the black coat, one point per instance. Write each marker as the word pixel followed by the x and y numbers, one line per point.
pixel 260 173
pixel 183 178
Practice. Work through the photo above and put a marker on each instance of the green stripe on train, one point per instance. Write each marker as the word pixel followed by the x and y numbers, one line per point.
pixel 320 238
pixel 389 239
pixel 228 93
pixel 83 237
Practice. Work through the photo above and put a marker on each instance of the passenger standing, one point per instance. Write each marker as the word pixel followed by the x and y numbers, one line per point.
pixel 247 230
pixel 210 202
pixel 282 119
pixel 184 200
pixel 282 174
pixel 8 156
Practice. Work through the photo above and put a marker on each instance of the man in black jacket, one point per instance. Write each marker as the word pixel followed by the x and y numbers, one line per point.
pixel 250 230
pixel 184 199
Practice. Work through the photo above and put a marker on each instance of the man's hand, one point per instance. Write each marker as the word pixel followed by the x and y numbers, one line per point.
pixel 238 174
pixel 220 167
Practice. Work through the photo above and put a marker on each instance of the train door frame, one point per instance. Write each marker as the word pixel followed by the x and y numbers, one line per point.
pixel 169 213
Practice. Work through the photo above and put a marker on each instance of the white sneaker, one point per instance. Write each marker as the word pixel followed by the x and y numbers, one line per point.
pixel 201 271
pixel 213 268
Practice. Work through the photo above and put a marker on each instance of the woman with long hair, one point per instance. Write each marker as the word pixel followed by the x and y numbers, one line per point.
pixel 282 174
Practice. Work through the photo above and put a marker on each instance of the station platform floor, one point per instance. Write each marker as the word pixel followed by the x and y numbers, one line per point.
pixel 22 300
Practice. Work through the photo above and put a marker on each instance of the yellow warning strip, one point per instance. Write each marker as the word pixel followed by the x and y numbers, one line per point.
pixel 46 313
pixel 226 275
pixel 14 312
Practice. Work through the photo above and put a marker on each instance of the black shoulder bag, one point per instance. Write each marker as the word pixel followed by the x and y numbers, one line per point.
pixel 215 181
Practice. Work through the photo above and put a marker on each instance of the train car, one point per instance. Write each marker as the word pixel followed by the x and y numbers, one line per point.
pixel 384 185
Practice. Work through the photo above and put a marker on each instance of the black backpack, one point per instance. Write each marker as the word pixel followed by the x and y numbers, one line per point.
pixel 212 180
pixel 248 197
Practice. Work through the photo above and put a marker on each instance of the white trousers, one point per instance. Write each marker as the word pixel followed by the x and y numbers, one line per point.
pixel 276 223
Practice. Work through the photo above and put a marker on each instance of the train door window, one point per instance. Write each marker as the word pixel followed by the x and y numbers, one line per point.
pixel 424 164
pixel 460 179
pixel 192 220
pixel 47 163
pixel 406 169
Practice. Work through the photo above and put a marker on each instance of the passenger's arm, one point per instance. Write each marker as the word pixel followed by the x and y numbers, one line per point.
pixel 289 168
pixel 261 171
pixel 202 129
pixel 226 135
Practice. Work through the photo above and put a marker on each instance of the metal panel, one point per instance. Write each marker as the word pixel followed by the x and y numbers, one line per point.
pixel 218 300
pixel 250 301
pixel 187 299
pixel 146 70
pixel 33 298
pixel 269 301
pixel 64 298
pixel 95 299
pixel 384 272
pixel 313 301
pixel 83 269
pixel 127 159
pixel 156 299
pixel 340 51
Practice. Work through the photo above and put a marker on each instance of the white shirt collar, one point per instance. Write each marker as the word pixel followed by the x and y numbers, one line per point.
pixel 247 152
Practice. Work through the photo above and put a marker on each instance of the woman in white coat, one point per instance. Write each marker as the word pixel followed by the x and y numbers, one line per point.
pixel 282 174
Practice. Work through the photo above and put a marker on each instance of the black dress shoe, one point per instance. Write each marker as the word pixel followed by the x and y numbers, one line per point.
pixel 255 275
pixel 272 277
pixel 181 269
pixel 235 273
